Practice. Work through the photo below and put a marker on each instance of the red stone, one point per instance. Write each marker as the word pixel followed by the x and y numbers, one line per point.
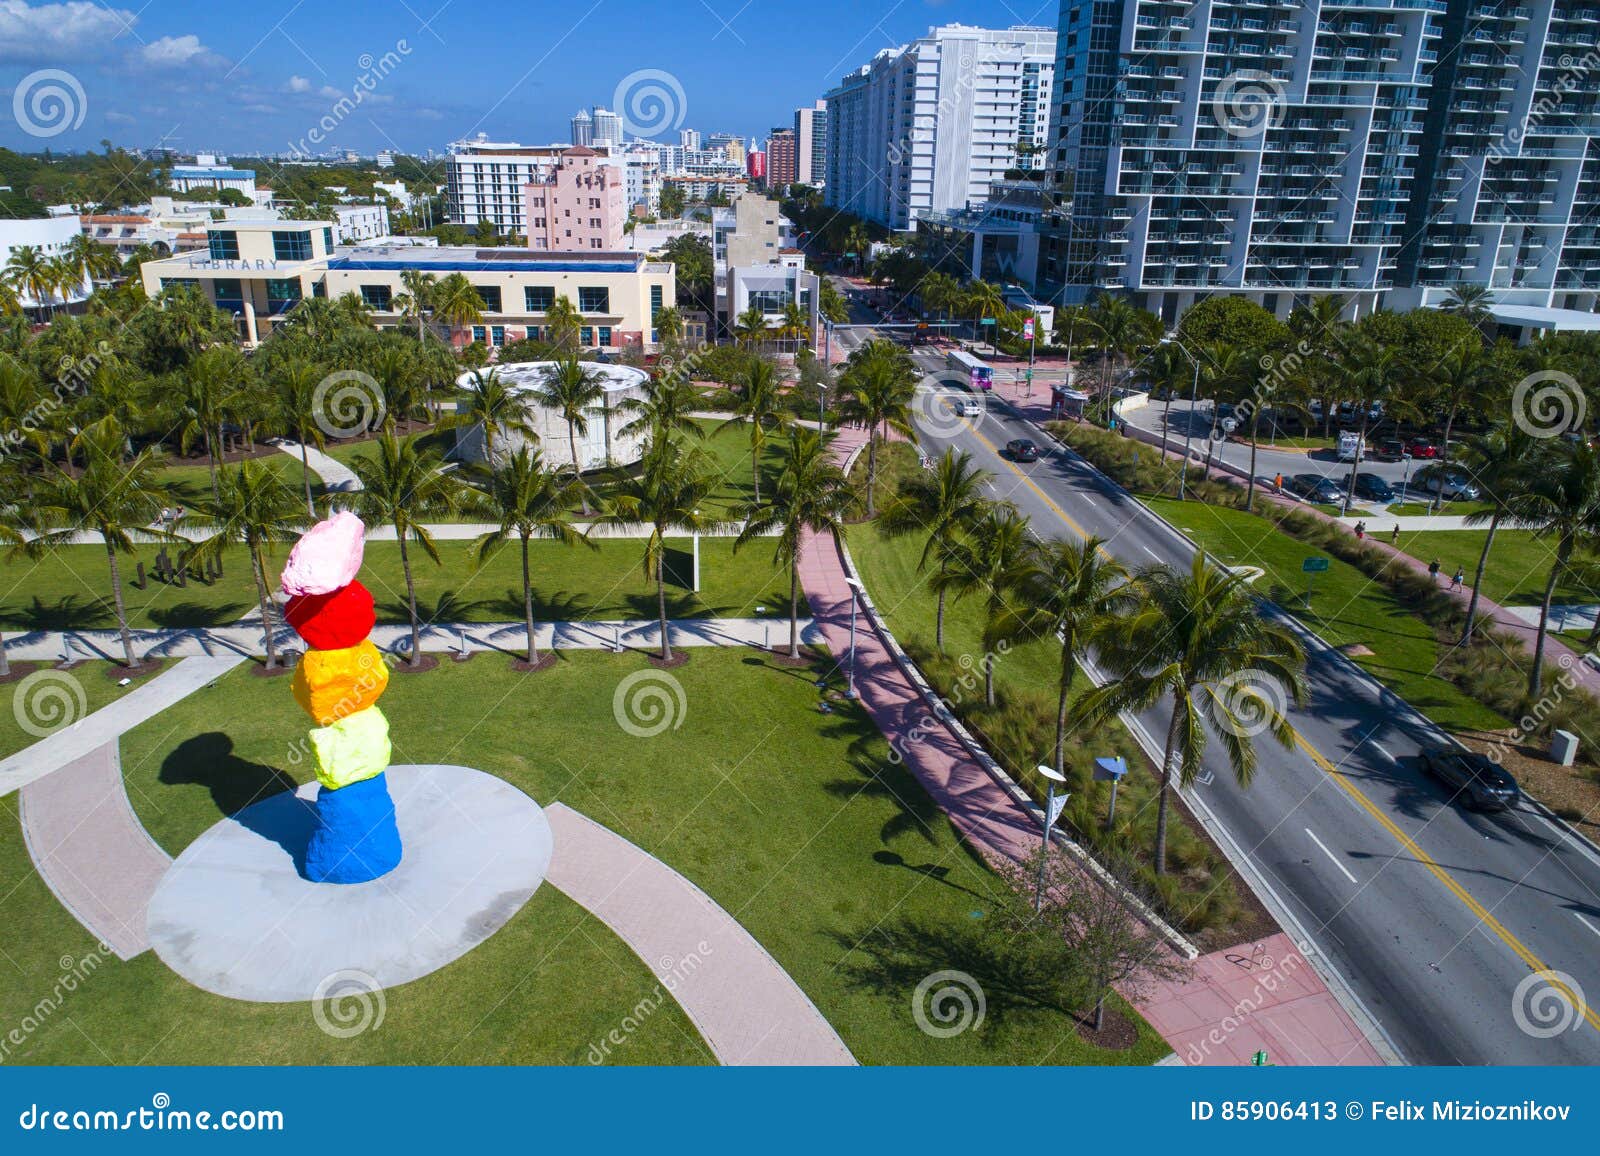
pixel 332 621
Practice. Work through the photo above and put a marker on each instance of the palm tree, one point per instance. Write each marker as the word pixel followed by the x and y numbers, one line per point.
pixel 117 500
pixel 879 383
pixel 1072 593
pixel 563 325
pixel 1562 501
pixel 1471 303
pixel 796 324
pixel 402 486
pixel 668 323
pixel 10 301
pixel 760 404
pixel 1169 369
pixel 945 503
pixel 415 303
pixel 15 515
pixel 455 302
pixel 395 368
pixel 65 279
pixel 1500 460
pixel 982 300
pixel 1375 371
pixel 495 405
pixel 530 501
pixel 856 241
pixel 808 496
pixel 30 274
pixel 294 394
pixel 1119 330
pixel 750 326
pixel 91 260
pixel 1459 378
pixel 256 508
pixel 208 393
pixel 940 292
pixel 1199 639
pixel 572 390
pixel 664 407
pixel 992 561
pixel 667 494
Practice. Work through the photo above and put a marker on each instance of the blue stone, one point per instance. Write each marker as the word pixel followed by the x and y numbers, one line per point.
pixel 356 839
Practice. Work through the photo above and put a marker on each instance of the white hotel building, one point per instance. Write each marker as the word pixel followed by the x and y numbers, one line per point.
pixel 929 126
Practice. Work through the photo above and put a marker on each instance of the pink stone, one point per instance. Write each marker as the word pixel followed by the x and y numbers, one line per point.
pixel 327 556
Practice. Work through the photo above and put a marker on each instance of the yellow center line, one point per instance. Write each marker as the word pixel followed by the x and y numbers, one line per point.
pixel 1478 909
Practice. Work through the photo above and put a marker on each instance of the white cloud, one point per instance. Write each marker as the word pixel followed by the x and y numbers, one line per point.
pixel 175 52
pixel 78 30
pixel 117 116
pixel 299 84
pixel 328 92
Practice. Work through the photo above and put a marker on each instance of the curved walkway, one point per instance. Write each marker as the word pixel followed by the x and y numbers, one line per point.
pixel 336 476
pixel 91 850
pixel 746 1007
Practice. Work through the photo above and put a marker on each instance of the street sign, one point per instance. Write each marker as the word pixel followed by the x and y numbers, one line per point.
pixel 986 321
pixel 1109 770
pixel 1314 565
pixel 1057 804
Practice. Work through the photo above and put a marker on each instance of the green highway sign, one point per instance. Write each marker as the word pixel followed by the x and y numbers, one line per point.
pixel 1314 565
pixel 986 321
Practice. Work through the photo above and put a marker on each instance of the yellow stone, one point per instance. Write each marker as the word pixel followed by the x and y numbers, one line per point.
pixel 352 749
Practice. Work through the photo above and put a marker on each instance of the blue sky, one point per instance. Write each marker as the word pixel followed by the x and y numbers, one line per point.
pixel 270 75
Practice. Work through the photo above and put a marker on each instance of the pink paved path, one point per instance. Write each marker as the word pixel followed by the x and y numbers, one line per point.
pixel 747 1008
pixel 1298 1021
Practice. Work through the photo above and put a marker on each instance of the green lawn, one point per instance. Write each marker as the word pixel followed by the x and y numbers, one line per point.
pixel 1424 509
pixel 70 587
pixel 1519 564
pixel 793 820
pixel 52 701
pixel 1347 607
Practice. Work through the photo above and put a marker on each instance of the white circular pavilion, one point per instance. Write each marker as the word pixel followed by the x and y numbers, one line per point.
pixel 604 420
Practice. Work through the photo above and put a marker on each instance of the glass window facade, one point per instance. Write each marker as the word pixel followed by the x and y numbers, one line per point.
pixel 491 297
pixel 379 297
pixel 291 246
pixel 224 245
pixel 594 299
pixel 538 298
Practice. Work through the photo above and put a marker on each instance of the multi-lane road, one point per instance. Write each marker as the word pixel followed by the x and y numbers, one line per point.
pixel 1451 932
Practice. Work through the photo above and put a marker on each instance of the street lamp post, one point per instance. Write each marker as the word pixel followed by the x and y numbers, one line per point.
pixel 855 591
pixel 1051 814
pixel 822 409
pixel 1188 426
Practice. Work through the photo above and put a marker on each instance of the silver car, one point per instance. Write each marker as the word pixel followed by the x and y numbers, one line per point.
pixel 1452 486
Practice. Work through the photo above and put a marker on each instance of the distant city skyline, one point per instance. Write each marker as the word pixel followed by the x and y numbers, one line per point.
pixel 283 78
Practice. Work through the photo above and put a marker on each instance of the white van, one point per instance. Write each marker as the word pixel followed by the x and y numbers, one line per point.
pixel 1352 447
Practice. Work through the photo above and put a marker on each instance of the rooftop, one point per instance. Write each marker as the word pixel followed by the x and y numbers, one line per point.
pixel 1539 317
pixel 460 257
pixel 523 375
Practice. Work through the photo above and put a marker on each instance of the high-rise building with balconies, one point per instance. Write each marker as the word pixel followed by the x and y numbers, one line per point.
pixel 1271 148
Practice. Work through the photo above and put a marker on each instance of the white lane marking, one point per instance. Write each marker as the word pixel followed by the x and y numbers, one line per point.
pixel 1379 747
pixel 1586 923
pixel 1151 552
pixel 1320 846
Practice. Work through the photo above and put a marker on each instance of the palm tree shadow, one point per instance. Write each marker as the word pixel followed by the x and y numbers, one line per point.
pixel 938 872
pixel 446 607
pixel 183 614
pixel 68 612
pixel 208 760
pixel 915 812
pixel 557 607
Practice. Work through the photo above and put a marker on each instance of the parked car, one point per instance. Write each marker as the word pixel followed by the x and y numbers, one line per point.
pixel 1485 784
pixel 1315 488
pixel 1352 447
pixel 1388 450
pixel 1373 488
pixel 1452 485
pixel 1022 450
pixel 1422 448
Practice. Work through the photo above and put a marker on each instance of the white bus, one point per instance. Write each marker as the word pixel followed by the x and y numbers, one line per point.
pixel 979 374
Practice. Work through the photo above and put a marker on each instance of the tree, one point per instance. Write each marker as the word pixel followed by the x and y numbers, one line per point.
pixel 403 486
pixel 878 382
pixel 91 260
pixel 668 323
pixel 982 300
pixel 672 200
pixel 1375 371
pixel 832 303
pixel 1234 320
pixel 572 390
pixel 1070 594
pixel 1199 639
pixel 417 300
pixel 116 499
pixel 257 509
pixel 690 254
pixel 665 406
pixel 857 243
pixel 1560 501
pixel 30 272
pixel 750 326
pixel 208 393
pixel 1170 371
pixel 529 500
pixel 668 494
pixel 992 560
pixel 496 406
pixel 1501 461
pixel 760 405
pixel 295 407
pixel 563 325
pixel 456 303
pixel 808 496
pixel 945 503
pixel 1118 331
pixel 1471 303
pixel 1457 379
pixel 940 293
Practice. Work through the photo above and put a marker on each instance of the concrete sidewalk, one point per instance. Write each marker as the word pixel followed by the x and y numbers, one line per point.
pixel 1301 1023
pixel 336 476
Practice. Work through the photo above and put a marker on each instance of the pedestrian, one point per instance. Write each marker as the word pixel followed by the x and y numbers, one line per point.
pixel 1361 531
pixel 1394 535
pixel 1277 481
pixel 1456 578
pixel 1433 571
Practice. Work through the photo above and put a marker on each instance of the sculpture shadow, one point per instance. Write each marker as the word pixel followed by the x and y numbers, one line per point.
pixel 208 760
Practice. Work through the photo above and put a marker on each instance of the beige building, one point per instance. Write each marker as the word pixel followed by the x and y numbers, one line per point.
pixel 260 271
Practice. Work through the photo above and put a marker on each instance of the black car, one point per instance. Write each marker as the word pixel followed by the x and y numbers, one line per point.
pixel 1486 785
pixel 1388 450
pixel 1373 488
pixel 1314 488
pixel 1022 450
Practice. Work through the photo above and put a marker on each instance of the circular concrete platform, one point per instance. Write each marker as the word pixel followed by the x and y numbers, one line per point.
pixel 234 916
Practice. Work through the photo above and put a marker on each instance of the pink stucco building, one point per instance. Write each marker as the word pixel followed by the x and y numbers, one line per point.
pixel 580 207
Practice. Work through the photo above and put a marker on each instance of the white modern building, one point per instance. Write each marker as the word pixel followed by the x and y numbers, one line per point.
pixel 811 144
pixel 607 127
pixel 929 126
pixel 604 422
pixel 50 236
pixel 582 129
pixel 484 179
pixel 208 173
pixel 355 223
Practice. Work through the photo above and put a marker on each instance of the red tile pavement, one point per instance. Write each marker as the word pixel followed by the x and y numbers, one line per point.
pixel 1297 1020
